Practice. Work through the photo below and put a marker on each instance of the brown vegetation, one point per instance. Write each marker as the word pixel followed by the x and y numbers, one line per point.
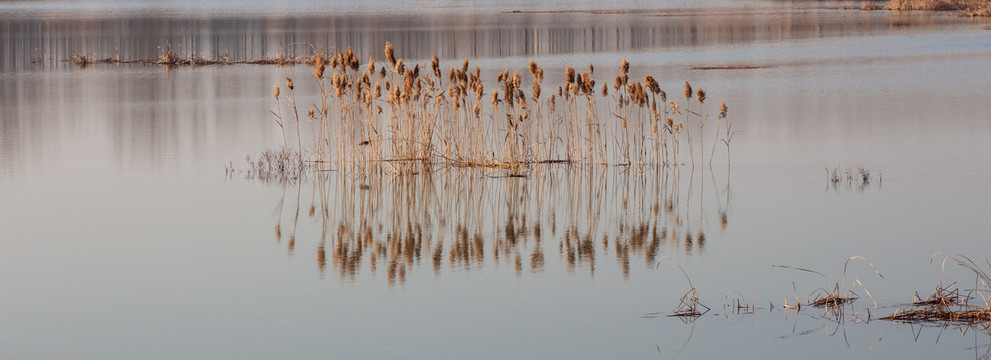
pixel 969 7
pixel 947 306
pixel 400 114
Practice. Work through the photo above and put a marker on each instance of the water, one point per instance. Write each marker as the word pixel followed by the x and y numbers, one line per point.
pixel 122 235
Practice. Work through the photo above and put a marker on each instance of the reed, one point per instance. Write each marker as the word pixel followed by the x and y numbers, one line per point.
pixel 422 116
pixel 689 306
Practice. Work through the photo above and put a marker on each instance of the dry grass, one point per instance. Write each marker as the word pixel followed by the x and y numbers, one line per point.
pixel 839 295
pixel 969 7
pixel 833 299
pixel 689 305
pixel 947 306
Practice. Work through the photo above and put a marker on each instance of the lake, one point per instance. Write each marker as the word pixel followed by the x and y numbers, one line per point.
pixel 133 224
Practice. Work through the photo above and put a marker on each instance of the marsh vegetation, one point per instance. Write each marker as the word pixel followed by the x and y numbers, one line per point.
pixel 399 116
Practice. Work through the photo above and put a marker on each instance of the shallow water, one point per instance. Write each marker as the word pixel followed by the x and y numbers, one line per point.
pixel 122 235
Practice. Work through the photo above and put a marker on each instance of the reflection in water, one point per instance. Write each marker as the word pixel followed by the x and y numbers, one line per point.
pixel 27 42
pixel 463 220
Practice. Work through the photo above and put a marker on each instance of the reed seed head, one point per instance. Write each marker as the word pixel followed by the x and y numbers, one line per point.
pixel 569 75
pixel 700 95
pixel 371 65
pixel 688 90
pixel 435 65
pixel 722 109
pixel 390 55
pixel 312 113
pixel 319 63
pixel 355 63
pixel 652 84
pixel 588 85
pixel 624 67
pixel 400 68
pixel 289 84
pixel 275 94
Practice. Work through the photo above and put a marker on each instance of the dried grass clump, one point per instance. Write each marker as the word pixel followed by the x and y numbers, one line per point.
pixel 833 299
pixel 963 315
pixel 941 298
pixel 83 60
pixel 839 295
pixel 947 306
pixel 168 57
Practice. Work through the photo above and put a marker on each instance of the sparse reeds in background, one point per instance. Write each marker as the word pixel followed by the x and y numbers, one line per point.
pixel 969 7
pixel 860 178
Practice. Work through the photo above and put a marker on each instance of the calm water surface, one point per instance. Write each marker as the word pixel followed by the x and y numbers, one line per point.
pixel 121 235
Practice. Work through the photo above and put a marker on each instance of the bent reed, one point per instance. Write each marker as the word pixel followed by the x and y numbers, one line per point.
pixel 399 114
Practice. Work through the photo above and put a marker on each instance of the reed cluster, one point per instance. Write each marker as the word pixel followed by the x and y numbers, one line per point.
pixel 398 114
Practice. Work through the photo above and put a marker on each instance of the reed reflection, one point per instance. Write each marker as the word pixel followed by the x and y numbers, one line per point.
pixel 452 220
pixel 28 42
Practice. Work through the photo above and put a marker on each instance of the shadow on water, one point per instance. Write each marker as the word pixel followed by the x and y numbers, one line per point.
pixel 463 219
